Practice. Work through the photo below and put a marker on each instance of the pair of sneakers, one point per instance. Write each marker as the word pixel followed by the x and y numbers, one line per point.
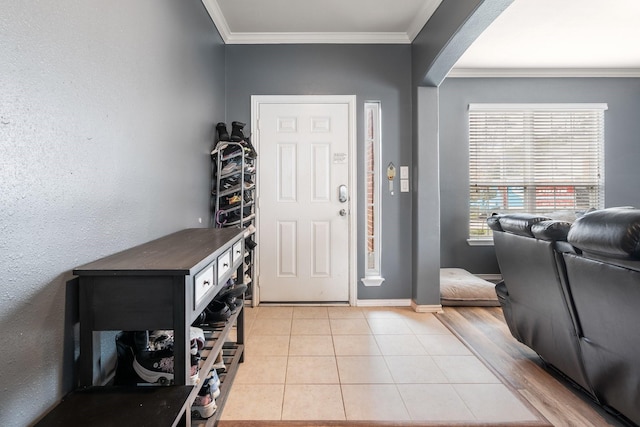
pixel 204 405
pixel 155 363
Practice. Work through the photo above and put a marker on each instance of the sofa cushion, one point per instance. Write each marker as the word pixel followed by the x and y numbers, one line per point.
pixel 520 223
pixel 552 230
pixel 613 232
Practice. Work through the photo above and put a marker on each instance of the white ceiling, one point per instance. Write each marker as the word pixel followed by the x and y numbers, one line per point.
pixel 565 37
pixel 319 21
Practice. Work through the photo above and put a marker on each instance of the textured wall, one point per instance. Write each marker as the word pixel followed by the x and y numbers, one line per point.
pixel 622 149
pixel 371 72
pixel 106 115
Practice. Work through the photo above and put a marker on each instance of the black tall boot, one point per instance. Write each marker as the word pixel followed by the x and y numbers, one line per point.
pixel 223 135
pixel 236 131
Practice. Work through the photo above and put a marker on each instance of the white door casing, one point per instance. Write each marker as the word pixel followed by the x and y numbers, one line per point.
pixel 306 150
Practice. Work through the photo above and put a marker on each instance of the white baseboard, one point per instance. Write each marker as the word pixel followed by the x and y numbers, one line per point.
pixel 422 308
pixel 383 302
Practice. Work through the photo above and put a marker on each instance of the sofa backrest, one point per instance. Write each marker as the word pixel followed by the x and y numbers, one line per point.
pixel 611 235
pixel 528 251
pixel 605 286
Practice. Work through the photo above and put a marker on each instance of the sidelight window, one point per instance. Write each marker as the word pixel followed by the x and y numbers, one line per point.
pixel 372 193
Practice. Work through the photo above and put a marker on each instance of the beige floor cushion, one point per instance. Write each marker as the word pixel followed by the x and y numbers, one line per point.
pixel 458 287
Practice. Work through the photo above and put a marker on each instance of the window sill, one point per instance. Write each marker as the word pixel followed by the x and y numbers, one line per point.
pixel 480 242
pixel 372 281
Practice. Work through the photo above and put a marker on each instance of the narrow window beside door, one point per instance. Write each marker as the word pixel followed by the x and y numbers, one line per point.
pixel 373 275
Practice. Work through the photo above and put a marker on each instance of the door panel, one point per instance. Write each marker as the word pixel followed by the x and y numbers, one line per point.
pixel 304 240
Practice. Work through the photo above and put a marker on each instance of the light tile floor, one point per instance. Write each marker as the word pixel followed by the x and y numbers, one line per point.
pixel 375 364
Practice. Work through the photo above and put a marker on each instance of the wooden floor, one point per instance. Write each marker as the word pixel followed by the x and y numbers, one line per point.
pixel 484 330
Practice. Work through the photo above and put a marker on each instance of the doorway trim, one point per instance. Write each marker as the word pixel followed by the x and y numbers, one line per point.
pixel 350 100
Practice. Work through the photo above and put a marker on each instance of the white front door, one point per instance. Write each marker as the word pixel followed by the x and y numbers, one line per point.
pixel 304 223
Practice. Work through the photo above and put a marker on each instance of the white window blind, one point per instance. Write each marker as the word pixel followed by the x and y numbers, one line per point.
pixel 535 158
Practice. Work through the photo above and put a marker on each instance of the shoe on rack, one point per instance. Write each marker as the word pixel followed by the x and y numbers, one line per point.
pixel 250 244
pixel 231 201
pixel 219 363
pixel 236 131
pixel 228 184
pixel 160 340
pixel 213 383
pixel 249 149
pixel 232 297
pixel 231 167
pixel 248 196
pixel 158 367
pixel 215 312
pixel 233 217
pixel 128 344
pixel 164 340
pixel 235 291
pixel 204 405
pixel 234 304
pixel 197 340
pixel 231 150
pixel 223 135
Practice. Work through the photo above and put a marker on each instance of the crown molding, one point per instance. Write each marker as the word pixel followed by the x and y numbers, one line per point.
pixel 318 38
pixel 421 18
pixel 230 37
pixel 218 18
pixel 543 72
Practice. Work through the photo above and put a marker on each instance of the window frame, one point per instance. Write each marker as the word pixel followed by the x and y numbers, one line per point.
pixel 372 194
pixel 531 189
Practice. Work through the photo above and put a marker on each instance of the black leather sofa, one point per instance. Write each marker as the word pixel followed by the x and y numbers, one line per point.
pixel 571 292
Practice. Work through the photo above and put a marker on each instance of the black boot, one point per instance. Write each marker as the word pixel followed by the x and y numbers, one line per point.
pixel 236 131
pixel 223 135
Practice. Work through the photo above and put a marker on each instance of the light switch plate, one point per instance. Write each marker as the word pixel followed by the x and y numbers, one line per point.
pixel 404 172
pixel 404 185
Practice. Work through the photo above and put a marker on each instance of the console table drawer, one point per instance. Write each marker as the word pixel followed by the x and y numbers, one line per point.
pixel 237 252
pixel 202 283
pixel 224 264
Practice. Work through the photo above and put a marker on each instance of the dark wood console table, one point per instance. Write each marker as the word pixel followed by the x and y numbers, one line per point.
pixel 162 284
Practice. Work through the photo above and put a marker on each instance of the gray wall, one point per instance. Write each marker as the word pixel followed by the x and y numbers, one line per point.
pixel 371 72
pixel 451 29
pixel 622 147
pixel 431 55
pixel 106 116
